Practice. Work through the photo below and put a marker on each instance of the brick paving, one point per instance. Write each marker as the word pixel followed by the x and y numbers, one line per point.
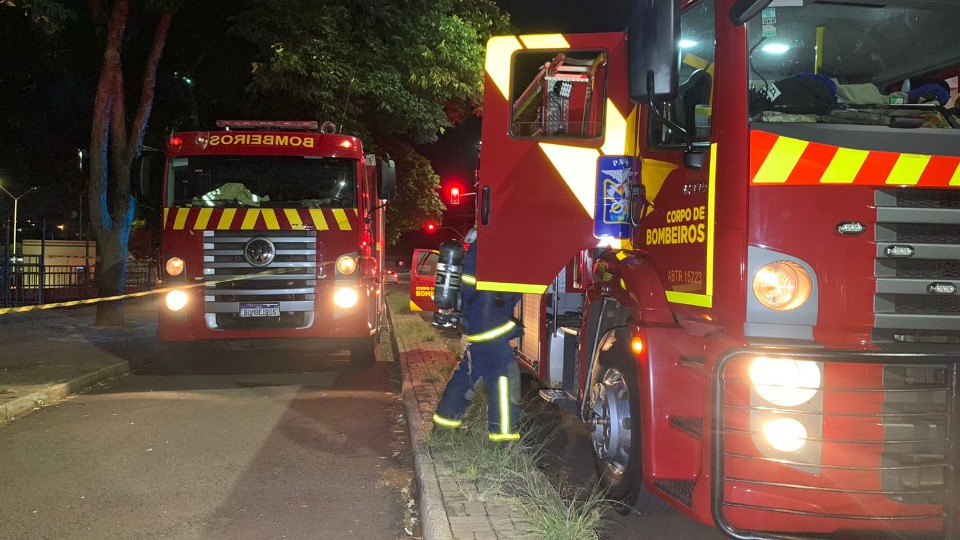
pixel 447 503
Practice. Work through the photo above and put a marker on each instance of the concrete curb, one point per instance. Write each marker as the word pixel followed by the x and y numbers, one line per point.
pixel 433 516
pixel 47 396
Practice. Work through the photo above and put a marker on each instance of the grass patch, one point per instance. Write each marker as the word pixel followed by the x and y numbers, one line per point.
pixel 509 473
pixel 399 302
pixel 436 371
pixel 417 331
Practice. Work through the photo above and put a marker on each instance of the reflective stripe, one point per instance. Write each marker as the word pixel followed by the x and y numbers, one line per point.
pixel 437 419
pixel 468 279
pixel 493 333
pixel 497 437
pixel 504 386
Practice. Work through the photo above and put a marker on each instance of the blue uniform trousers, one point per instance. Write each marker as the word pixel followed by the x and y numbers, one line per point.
pixel 492 363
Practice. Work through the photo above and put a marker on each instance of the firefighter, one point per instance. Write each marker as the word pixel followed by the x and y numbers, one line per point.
pixel 488 326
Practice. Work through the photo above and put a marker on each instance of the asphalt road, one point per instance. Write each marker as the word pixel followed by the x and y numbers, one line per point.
pixel 219 446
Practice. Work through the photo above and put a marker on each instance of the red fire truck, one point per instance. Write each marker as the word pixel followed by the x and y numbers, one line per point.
pixel 273 238
pixel 737 231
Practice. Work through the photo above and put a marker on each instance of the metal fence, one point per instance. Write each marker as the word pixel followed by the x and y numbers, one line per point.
pixel 28 281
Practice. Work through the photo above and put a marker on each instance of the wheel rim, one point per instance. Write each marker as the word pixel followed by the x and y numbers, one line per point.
pixel 612 417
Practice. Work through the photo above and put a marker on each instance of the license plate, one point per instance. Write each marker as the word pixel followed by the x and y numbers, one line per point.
pixel 259 310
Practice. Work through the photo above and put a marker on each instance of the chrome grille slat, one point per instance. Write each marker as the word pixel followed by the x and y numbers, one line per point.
pixel 905 307
pixel 289 279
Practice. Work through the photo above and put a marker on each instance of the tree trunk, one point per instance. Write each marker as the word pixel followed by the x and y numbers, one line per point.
pixel 113 151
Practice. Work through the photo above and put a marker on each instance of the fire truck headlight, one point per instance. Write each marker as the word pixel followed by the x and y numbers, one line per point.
pixel 785 434
pixel 782 285
pixel 346 264
pixel 785 382
pixel 175 266
pixel 176 300
pixel 345 297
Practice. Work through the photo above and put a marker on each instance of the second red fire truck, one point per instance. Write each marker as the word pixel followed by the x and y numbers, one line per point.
pixel 737 231
pixel 273 239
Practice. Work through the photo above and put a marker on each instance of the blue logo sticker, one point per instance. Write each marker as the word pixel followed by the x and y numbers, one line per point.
pixel 612 216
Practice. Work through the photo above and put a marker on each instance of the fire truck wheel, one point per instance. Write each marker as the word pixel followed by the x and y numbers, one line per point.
pixel 615 428
pixel 363 353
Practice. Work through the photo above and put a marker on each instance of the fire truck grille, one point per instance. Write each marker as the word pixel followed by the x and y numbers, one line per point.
pixel 915 424
pixel 235 287
pixel 918 266
pixel 878 439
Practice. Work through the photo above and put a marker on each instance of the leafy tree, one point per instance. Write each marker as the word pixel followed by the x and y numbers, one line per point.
pixel 416 201
pixel 115 138
pixel 380 69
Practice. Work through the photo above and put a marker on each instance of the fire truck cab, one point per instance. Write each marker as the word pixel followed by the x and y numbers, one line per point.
pixel 273 239
pixel 737 231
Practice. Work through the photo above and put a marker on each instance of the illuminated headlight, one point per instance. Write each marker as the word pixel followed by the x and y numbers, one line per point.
pixel 175 266
pixel 176 300
pixel 785 434
pixel 346 297
pixel 784 382
pixel 782 285
pixel 346 264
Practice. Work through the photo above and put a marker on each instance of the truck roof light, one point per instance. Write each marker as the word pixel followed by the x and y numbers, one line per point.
pixel 268 124
pixel 346 144
pixel 176 141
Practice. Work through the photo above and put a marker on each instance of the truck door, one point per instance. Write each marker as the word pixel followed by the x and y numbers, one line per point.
pixel 423 275
pixel 556 115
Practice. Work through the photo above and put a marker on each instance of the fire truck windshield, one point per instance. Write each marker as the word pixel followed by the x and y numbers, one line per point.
pixel 263 181
pixel 833 62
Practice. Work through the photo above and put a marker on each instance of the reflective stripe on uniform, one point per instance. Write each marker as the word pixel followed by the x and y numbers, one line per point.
pixel 503 385
pixel 497 437
pixel 468 279
pixel 446 422
pixel 492 333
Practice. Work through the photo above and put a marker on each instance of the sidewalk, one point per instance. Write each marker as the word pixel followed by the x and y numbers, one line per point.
pixel 447 504
pixel 47 355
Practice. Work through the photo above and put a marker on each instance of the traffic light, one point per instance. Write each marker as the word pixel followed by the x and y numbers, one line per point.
pixel 454 195
pixel 431 226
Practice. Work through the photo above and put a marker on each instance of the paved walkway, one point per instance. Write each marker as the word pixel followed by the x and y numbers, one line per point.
pixel 447 502
pixel 47 355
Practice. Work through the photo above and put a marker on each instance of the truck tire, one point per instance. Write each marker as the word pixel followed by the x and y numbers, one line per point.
pixel 614 402
pixel 363 352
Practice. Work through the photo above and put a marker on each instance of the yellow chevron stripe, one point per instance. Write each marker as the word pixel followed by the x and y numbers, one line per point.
pixel 844 166
pixel 781 161
pixel 226 218
pixel 203 218
pixel 294 218
pixel 166 214
pixel 181 219
pixel 341 216
pixel 250 219
pixel 908 169
pixel 955 181
pixel 270 217
pixel 319 221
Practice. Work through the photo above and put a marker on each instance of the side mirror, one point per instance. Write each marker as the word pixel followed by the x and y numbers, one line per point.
pixel 386 178
pixel 652 50
pixel 744 10
pixel 140 173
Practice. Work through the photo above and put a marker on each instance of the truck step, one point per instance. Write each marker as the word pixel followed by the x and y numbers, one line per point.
pixel 681 490
pixel 691 426
pixel 560 397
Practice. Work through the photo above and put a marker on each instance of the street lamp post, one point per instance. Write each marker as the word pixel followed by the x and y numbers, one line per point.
pixel 16 200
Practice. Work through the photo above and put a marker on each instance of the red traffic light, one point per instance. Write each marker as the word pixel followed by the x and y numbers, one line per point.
pixel 454 195
pixel 431 226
